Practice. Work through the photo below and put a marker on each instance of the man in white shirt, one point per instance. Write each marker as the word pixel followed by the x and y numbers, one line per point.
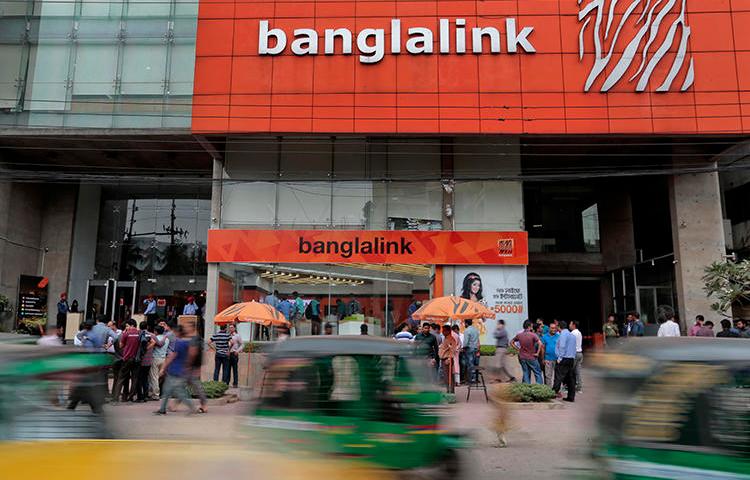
pixel 579 354
pixel 669 328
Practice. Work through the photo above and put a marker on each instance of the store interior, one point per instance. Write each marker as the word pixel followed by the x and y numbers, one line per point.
pixel 383 292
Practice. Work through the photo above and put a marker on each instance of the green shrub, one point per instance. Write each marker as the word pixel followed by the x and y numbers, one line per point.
pixel 449 398
pixel 252 347
pixel 512 350
pixel 212 389
pixel 523 392
pixel 487 350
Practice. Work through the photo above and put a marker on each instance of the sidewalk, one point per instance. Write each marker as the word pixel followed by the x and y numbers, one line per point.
pixel 543 443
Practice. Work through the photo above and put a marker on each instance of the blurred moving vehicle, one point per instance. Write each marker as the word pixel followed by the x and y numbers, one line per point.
pixel 36 384
pixel 358 398
pixel 41 439
pixel 676 408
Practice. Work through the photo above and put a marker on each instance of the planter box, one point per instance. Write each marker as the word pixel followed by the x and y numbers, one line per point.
pixel 250 368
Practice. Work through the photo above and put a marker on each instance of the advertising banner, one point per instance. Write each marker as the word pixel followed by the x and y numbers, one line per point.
pixel 366 246
pixel 501 288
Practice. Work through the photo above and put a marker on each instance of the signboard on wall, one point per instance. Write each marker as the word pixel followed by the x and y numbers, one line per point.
pixel 455 66
pixel 365 246
pixel 32 297
pixel 503 289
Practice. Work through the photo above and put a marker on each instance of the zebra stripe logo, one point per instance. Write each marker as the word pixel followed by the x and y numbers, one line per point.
pixel 654 36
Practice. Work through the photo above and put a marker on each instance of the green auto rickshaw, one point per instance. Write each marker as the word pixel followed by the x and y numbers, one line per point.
pixel 356 397
pixel 36 385
pixel 676 408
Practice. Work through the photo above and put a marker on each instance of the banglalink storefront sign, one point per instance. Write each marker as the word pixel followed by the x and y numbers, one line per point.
pixel 510 66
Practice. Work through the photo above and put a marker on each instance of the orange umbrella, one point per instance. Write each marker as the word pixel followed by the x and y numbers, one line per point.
pixel 441 309
pixel 253 312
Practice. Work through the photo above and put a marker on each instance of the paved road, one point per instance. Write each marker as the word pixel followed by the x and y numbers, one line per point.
pixel 543 443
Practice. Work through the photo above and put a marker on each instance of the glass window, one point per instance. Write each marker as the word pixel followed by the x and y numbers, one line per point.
pixel 48 89
pixel 181 66
pixel 143 69
pixel 488 205
pixel 353 204
pixel 590 223
pixel 10 58
pixel 555 217
pixel 248 204
pixel 95 69
pixel 306 158
pixel 415 202
pixel 304 204
pixel 96 8
pixel 148 8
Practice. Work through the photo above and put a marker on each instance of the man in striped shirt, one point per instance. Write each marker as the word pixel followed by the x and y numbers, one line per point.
pixel 220 344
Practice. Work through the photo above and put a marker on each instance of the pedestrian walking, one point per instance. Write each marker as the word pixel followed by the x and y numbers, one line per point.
pixel 501 351
pixel 219 343
pixel 566 357
pixel 528 352
pixel 129 343
pixel 549 341
pixel 578 364
pixel 471 348
pixel 159 356
pixel 195 362
pixel 177 369
pixel 235 348
pixel 669 328
pixel 62 312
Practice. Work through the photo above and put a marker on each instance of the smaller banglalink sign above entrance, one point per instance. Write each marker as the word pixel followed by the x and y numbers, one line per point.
pixel 364 246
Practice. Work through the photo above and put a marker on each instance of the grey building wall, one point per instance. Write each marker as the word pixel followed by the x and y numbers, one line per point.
pixel 36 224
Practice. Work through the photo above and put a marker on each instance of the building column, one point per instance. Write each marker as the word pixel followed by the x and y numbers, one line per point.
pixel 698 239
pixel 85 230
pixel 212 277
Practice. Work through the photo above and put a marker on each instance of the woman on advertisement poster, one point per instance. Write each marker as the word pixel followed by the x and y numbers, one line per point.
pixel 471 289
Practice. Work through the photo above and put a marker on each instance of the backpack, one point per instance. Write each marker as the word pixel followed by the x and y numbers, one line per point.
pixel 309 311
pixel 143 341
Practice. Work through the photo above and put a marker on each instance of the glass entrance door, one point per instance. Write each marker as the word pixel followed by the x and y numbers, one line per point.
pixel 123 299
pixel 650 299
pixel 98 300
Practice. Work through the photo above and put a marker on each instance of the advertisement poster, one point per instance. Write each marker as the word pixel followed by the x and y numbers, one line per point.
pixel 501 288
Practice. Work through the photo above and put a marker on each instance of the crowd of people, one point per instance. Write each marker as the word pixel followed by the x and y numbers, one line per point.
pixel 451 352
pixel 154 362
pixel 295 309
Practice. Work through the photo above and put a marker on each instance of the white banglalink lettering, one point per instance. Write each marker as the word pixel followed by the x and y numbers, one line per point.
pixel 372 46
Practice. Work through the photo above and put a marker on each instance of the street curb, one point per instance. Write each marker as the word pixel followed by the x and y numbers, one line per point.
pixel 551 405
pixel 230 398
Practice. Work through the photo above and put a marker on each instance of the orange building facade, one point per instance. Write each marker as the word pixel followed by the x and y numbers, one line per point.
pixel 465 66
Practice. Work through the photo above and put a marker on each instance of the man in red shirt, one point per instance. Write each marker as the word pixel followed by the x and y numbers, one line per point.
pixel 129 345
pixel 528 353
